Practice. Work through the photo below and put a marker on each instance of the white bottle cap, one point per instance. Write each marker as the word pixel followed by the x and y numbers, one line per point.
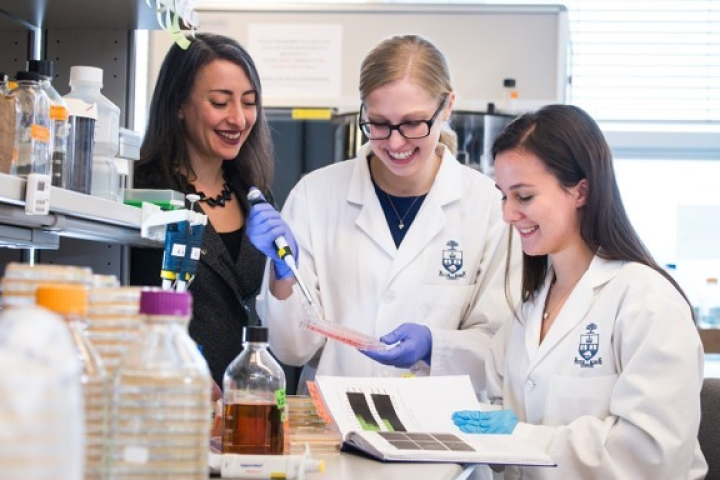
pixel 86 76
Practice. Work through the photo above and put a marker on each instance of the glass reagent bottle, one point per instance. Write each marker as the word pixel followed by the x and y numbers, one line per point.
pixel 254 412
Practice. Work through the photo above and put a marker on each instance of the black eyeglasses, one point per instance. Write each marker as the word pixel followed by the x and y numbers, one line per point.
pixel 410 130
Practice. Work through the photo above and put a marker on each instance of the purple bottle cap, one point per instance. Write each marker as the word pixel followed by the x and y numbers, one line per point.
pixel 165 302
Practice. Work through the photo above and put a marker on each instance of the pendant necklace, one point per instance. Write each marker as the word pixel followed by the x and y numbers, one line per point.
pixel 559 303
pixel 401 220
pixel 546 313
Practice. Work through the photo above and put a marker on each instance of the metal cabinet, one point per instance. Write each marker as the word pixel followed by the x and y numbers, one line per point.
pixel 307 139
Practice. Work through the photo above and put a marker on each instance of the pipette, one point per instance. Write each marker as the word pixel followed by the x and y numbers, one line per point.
pixel 286 254
pixel 314 321
pixel 261 467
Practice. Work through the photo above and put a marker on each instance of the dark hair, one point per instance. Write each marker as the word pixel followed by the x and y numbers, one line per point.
pixel 416 58
pixel 572 147
pixel 164 155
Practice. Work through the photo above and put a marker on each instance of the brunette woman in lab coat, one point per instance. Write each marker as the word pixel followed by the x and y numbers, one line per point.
pixel 602 365
pixel 398 243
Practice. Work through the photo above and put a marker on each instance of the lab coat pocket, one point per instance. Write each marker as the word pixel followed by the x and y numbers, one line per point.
pixel 443 305
pixel 571 397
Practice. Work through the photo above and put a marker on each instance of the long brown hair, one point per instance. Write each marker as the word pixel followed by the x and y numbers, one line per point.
pixel 163 154
pixel 572 147
pixel 411 56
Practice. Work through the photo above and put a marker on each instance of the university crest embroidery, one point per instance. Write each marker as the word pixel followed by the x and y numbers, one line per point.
pixel 452 262
pixel 588 348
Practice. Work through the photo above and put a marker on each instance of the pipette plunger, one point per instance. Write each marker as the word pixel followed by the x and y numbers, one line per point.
pixel 286 254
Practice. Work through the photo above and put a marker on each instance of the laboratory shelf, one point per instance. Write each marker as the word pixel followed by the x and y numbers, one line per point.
pixel 71 214
pixel 77 14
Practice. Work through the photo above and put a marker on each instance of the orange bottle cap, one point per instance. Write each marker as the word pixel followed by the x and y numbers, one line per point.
pixel 63 299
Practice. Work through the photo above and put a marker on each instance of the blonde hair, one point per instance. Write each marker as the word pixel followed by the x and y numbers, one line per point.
pixel 413 57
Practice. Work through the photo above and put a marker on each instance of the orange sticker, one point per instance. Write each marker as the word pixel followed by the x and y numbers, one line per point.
pixel 39 133
pixel 58 112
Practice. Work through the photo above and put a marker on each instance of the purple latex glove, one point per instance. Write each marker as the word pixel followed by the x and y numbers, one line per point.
pixel 264 225
pixel 415 345
pixel 494 421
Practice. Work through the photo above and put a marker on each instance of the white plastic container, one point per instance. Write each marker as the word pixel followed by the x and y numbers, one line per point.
pixel 41 398
pixel 86 84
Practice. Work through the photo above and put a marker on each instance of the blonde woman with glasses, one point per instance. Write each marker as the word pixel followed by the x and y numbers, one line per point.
pixel 402 243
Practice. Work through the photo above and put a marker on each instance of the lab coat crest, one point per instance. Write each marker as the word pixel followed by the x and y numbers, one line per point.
pixel 452 261
pixel 589 343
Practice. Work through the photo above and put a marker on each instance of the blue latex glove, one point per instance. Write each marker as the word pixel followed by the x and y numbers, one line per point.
pixel 493 421
pixel 264 225
pixel 415 345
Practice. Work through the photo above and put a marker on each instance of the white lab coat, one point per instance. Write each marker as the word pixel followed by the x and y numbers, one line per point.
pixel 349 260
pixel 631 409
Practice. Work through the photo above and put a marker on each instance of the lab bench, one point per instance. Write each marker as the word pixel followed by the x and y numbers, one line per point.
pixel 347 466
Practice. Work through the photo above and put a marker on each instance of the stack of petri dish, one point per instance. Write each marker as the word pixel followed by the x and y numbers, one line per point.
pixel 114 322
pixel 20 281
pixel 306 427
pixel 102 280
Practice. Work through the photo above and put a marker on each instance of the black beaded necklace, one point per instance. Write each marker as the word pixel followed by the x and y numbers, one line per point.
pixel 221 198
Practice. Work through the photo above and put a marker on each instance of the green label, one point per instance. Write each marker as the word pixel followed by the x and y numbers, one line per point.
pixel 280 400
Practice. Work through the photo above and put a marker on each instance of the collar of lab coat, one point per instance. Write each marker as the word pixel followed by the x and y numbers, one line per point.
pixel 573 312
pixel 445 189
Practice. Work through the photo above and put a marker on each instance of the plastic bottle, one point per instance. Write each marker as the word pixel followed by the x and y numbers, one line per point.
pixel 510 96
pixel 41 404
pixel 254 411
pixel 58 119
pixel 710 304
pixel 32 152
pixel 85 84
pixel 70 302
pixel 160 413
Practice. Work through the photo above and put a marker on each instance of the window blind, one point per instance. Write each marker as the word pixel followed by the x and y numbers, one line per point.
pixel 636 61
pixel 646 60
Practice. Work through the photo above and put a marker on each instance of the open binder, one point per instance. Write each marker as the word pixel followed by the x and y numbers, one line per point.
pixel 409 420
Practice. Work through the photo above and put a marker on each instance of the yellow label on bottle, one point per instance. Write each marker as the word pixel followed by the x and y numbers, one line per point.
pixel 39 133
pixel 58 112
pixel 311 114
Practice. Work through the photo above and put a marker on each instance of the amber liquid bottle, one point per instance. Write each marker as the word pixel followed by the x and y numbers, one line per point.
pixel 254 412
